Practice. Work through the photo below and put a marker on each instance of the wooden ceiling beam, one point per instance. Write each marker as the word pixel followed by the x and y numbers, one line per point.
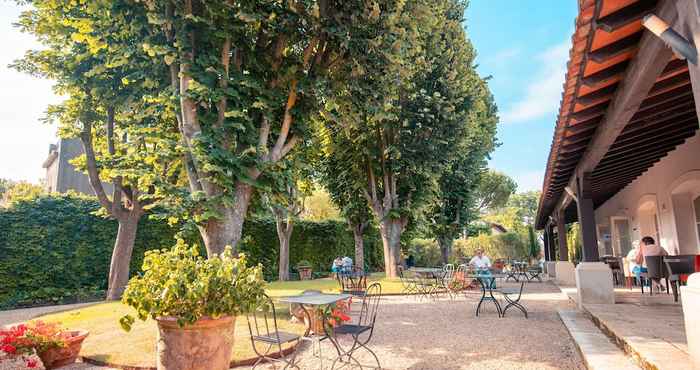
pixel 597 96
pixel 630 13
pixel 652 140
pixel 649 63
pixel 589 113
pixel 618 47
pixel 605 74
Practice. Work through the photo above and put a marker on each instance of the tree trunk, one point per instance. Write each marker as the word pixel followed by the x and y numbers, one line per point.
pixel 357 232
pixel 284 233
pixel 390 230
pixel 121 256
pixel 445 243
pixel 227 229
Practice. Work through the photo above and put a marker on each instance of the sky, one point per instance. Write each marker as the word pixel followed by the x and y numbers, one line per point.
pixel 522 45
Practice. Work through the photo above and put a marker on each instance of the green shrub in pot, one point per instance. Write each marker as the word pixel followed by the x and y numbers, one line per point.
pixel 195 301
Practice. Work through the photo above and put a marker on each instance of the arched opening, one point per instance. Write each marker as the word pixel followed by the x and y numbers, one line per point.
pixel 647 218
pixel 685 197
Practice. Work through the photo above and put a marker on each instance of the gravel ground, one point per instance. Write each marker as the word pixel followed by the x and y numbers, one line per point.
pixel 446 334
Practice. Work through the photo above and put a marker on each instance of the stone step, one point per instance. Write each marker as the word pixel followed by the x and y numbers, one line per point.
pixel 597 350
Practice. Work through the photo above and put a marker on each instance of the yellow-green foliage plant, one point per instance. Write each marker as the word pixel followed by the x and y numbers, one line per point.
pixel 181 283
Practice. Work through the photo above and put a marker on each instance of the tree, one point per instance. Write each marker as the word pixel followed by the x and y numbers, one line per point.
pixel 404 107
pixel 454 206
pixel 345 192
pixel 494 190
pixel 319 206
pixel 286 197
pixel 94 57
pixel 245 76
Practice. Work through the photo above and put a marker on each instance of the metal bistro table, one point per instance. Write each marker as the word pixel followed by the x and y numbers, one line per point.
pixel 488 284
pixel 428 280
pixel 311 301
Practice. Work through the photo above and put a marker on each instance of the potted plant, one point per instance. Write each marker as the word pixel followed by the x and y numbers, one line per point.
pixel 333 315
pixel 55 347
pixel 195 302
pixel 304 268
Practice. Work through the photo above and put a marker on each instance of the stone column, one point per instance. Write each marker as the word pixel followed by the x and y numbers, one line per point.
pixel 690 299
pixel 594 282
pixel 551 245
pixel 564 269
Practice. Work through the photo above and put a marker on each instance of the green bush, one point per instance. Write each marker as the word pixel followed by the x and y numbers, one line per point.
pixel 507 245
pixel 54 250
pixel 426 252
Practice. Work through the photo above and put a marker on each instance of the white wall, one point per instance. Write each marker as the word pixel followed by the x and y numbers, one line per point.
pixel 670 181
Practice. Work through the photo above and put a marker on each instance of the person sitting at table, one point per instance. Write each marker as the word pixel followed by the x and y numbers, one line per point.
pixel 480 262
pixel 337 265
pixel 647 247
pixel 347 264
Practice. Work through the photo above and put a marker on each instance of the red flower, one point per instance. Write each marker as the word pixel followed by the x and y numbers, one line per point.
pixel 8 348
pixel 31 363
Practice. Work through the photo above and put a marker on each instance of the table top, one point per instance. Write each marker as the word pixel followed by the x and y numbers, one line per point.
pixel 315 299
pixel 488 276
pixel 425 269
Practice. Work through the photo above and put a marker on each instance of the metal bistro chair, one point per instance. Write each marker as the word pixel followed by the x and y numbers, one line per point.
pixel 408 284
pixel 508 293
pixel 677 266
pixel 262 324
pixel 359 330
pixel 655 271
pixel 448 275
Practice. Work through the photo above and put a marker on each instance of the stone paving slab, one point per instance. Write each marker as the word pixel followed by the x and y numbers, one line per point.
pixel 598 352
pixel 648 328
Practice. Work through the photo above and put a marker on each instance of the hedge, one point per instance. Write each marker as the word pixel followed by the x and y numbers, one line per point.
pixel 53 249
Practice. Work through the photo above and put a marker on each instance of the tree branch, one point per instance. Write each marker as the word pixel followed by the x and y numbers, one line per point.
pixel 287 120
pixel 93 173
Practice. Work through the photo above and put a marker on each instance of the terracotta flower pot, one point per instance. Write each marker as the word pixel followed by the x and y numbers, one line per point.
pixel 204 345
pixel 57 357
pixel 304 273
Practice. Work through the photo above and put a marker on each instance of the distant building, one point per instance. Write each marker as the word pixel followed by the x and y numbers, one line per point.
pixel 61 176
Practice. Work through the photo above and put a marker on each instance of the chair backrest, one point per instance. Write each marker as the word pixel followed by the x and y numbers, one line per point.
pixel 448 271
pixel 263 320
pixel 654 267
pixel 461 273
pixel 683 264
pixel 370 305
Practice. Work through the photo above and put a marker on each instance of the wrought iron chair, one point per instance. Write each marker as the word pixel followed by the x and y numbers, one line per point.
pixel 360 330
pixel 448 275
pixel 266 338
pixel 408 284
pixel 508 293
pixel 655 271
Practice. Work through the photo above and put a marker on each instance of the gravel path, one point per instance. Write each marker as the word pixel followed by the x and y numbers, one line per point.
pixel 24 314
pixel 446 335
pixel 411 334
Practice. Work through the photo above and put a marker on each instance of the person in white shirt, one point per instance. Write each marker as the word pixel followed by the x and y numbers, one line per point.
pixel 480 262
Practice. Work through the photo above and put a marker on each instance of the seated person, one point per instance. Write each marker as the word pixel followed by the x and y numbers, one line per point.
pixel 647 247
pixel 337 265
pixel 480 262
pixel 347 264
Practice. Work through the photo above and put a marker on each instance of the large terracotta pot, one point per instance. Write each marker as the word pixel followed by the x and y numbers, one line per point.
pixel 204 345
pixel 304 273
pixel 57 357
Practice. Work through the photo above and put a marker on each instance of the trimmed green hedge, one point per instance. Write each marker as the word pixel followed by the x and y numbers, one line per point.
pixel 53 249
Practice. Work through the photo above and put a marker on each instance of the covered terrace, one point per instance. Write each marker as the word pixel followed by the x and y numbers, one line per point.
pixel 625 157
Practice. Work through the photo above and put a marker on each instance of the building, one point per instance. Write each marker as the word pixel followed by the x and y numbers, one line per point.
pixel 625 158
pixel 61 176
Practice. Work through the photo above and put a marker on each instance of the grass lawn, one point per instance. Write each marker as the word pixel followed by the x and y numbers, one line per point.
pixel 107 342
